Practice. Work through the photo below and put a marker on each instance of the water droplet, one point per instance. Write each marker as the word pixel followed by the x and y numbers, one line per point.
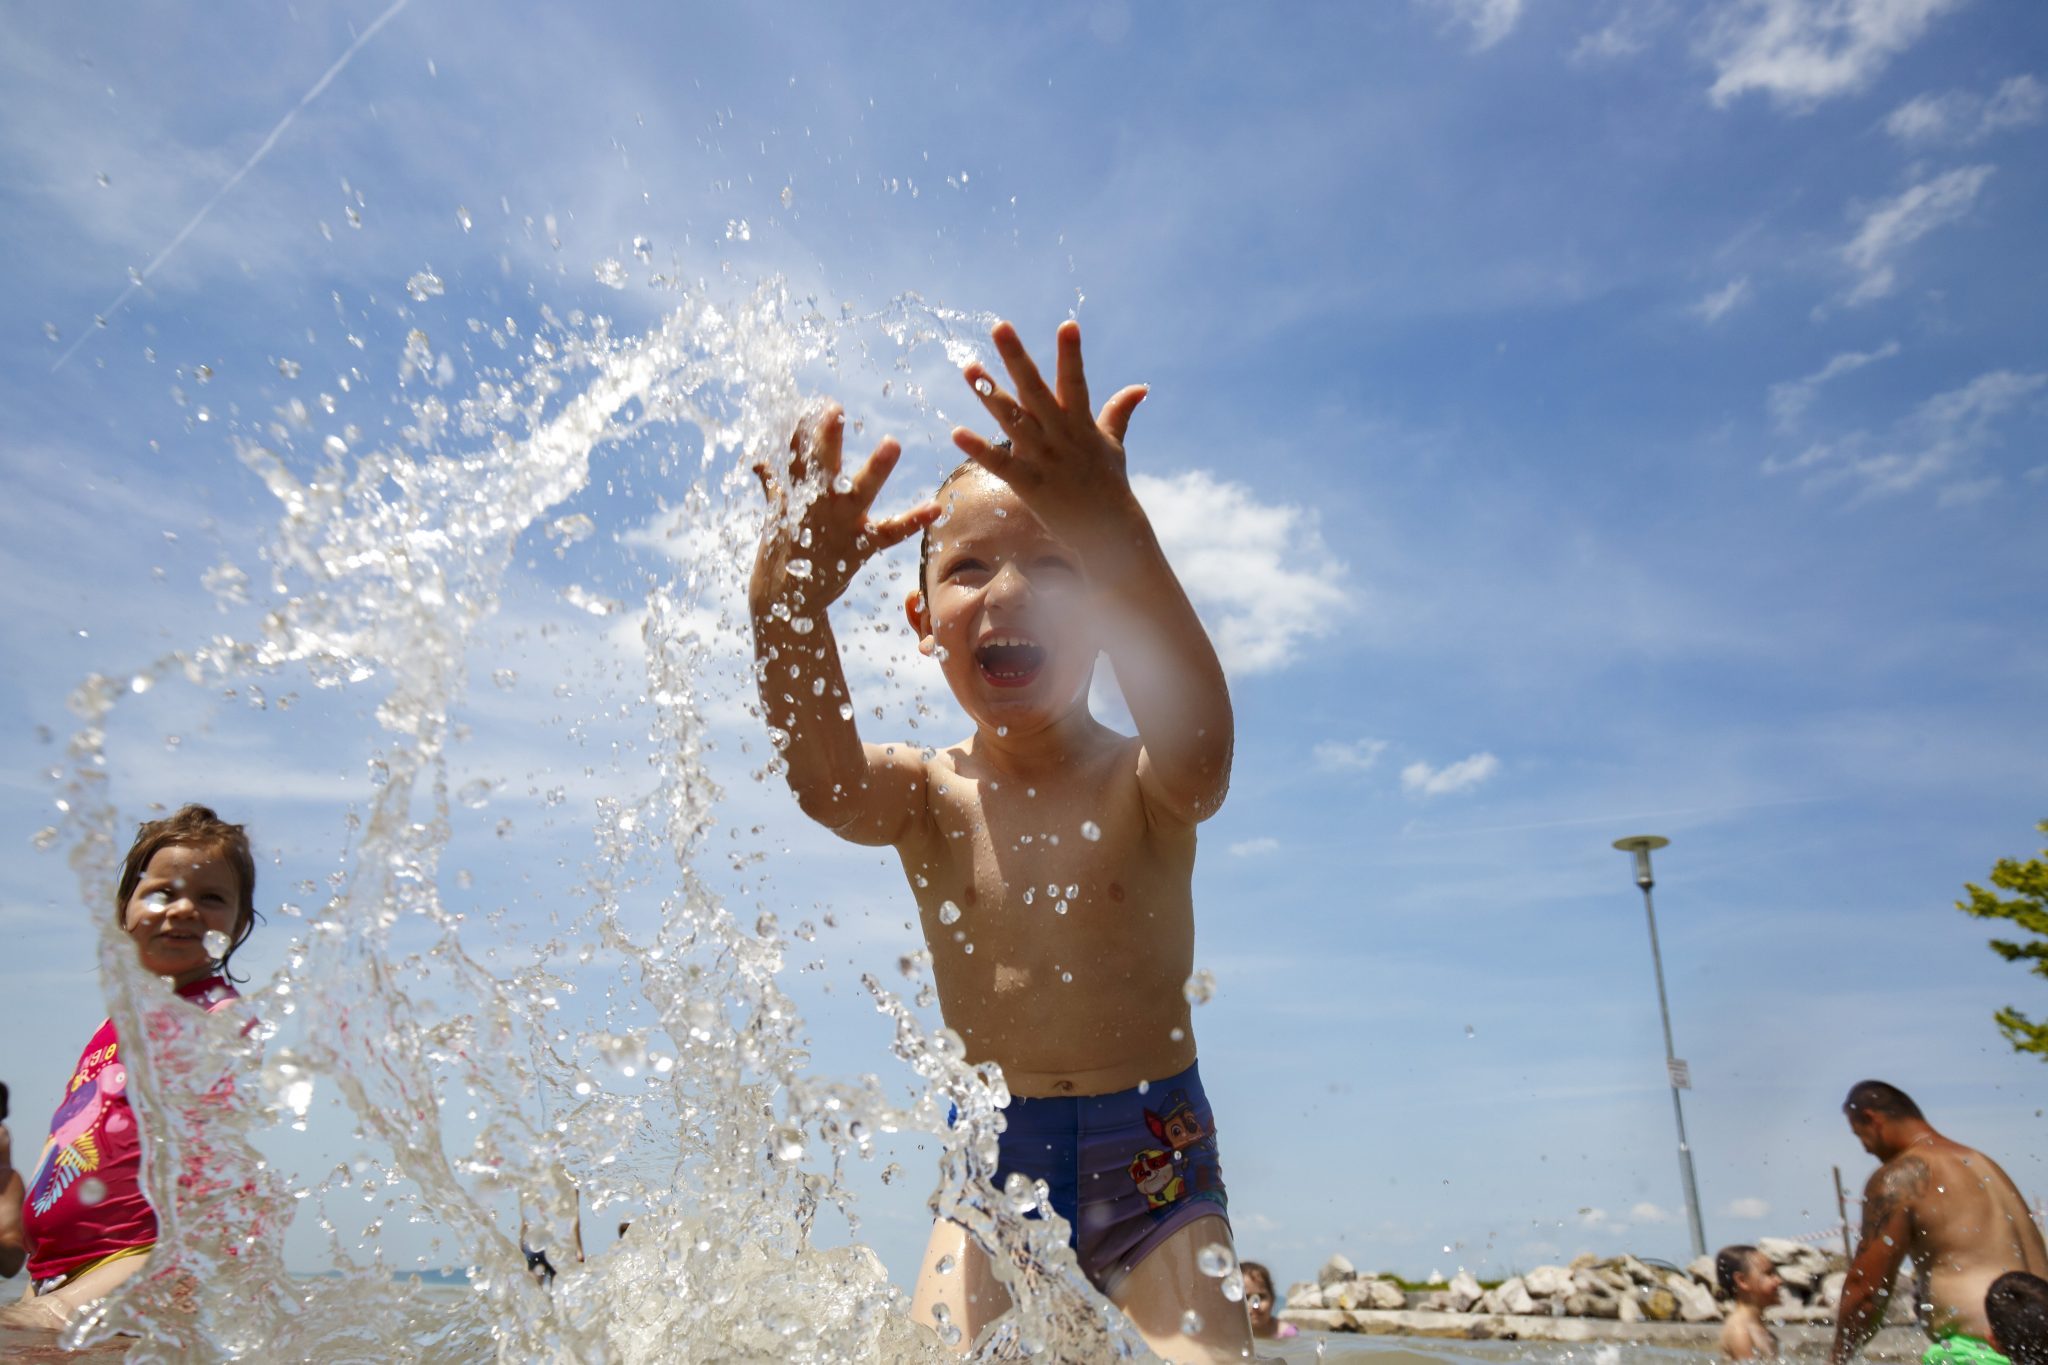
pixel 765 925
pixel 216 944
pixel 1233 1287
pixel 1020 1192
pixel 843 484
pixel 288 368
pixel 1468 1031
pixel 1067 978
pixel 477 794
pixel 643 248
pixel 788 196
pixel 1200 988
pixel 984 386
pixel 945 1265
pixel 462 217
pixel 1176 1033
pixel 141 683
pixel 611 273
pixel 43 838
pixel 104 180
pixel 425 285
pixel 789 1143
pixel 1091 831
pixel 1215 1260
pixel 1190 1323
pixel 91 1190
pixel 949 913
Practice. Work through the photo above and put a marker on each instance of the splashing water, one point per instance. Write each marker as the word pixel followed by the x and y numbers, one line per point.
pixel 452 1044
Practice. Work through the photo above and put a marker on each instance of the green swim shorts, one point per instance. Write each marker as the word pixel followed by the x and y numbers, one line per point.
pixel 1962 1350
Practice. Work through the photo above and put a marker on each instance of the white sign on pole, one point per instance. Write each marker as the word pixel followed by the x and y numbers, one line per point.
pixel 1681 1074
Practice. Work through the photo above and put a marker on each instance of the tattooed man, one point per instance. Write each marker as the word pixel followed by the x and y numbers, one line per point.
pixel 1951 1209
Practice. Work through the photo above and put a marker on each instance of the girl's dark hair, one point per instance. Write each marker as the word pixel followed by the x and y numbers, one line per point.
pixel 1730 1262
pixel 194 827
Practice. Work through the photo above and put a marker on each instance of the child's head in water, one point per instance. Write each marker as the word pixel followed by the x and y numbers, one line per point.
pixel 1004 606
pixel 188 878
pixel 1747 1276
pixel 2017 1308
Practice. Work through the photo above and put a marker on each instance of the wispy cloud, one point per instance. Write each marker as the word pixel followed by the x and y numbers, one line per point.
pixel 1962 117
pixel 1259 573
pixel 1789 401
pixel 1722 301
pixel 1940 438
pixel 1891 226
pixel 1651 1213
pixel 1800 52
pixel 1489 20
pixel 1627 33
pixel 1349 756
pixel 1423 780
pixel 1253 848
pixel 1748 1208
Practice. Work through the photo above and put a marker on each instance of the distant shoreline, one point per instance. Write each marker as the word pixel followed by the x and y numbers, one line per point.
pixel 1900 1343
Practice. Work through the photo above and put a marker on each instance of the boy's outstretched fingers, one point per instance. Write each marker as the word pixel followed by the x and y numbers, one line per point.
pixel 894 530
pixel 1036 398
pixel 1073 379
pixel 999 460
pixel 875 471
pixel 1116 413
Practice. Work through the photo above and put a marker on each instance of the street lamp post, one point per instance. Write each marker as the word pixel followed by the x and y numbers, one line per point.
pixel 1639 846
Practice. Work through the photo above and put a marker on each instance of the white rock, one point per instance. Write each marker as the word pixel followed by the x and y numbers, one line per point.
pixel 1548 1281
pixel 1631 1311
pixel 1830 1293
pixel 1335 1269
pixel 1513 1297
pixel 1695 1303
pixel 1305 1295
pixel 1637 1272
pixel 1702 1270
pixel 1464 1291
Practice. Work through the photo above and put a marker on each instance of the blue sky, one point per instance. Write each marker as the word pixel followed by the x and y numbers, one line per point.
pixel 1572 419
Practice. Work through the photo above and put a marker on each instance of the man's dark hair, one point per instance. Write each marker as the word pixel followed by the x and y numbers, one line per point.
pixel 1877 1097
pixel 1730 1262
pixel 2018 1309
pixel 924 542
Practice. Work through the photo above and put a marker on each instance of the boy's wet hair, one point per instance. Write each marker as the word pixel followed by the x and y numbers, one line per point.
pixel 2017 1307
pixel 195 827
pixel 1246 1269
pixel 924 541
pixel 1879 1097
pixel 1730 1262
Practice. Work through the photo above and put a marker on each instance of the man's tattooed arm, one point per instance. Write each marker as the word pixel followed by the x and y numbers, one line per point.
pixel 1887 1233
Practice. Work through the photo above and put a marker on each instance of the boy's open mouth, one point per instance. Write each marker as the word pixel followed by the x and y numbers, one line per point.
pixel 1009 660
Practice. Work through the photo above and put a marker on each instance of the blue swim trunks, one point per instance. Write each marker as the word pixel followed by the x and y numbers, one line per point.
pixel 1126 1170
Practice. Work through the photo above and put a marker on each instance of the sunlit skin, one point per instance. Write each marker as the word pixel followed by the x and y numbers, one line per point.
pixel 1744 1335
pixel 1043 561
pixel 1953 1210
pixel 184 895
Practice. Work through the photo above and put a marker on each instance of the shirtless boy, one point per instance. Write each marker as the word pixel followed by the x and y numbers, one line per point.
pixel 1951 1209
pixel 1751 1283
pixel 1050 856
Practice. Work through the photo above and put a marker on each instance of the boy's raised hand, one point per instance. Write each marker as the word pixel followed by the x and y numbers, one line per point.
pixel 1065 461
pixel 842 535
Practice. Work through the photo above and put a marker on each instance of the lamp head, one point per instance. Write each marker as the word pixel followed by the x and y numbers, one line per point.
pixel 1639 846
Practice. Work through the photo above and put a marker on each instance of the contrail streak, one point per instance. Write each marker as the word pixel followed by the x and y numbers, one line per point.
pixel 135 282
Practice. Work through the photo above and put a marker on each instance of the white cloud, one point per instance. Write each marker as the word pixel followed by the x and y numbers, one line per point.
pixel 1800 52
pixel 1722 301
pixel 1626 34
pixel 1963 117
pixel 1463 775
pixel 1939 438
pixel 1651 1213
pixel 1489 20
pixel 1252 848
pixel 1890 227
pixel 1355 756
pixel 1749 1208
pixel 1789 401
pixel 1259 573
